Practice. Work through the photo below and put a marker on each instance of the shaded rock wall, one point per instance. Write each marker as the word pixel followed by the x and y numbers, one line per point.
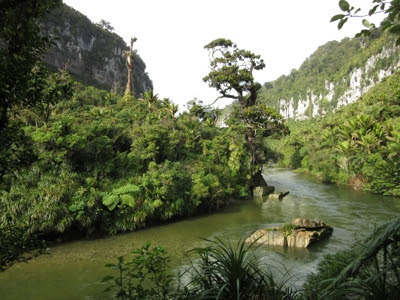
pixel 91 54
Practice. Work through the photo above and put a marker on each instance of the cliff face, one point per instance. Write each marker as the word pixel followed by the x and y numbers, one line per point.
pixel 360 80
pixel 91 54
pixel 336 74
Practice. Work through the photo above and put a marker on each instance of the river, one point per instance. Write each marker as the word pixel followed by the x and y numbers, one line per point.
pixel 74 270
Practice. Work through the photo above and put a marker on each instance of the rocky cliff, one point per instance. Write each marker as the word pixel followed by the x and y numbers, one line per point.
pixel 337 74
pixel 90 53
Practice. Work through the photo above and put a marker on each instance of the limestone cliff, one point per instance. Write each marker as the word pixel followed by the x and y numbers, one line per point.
pixel 91 54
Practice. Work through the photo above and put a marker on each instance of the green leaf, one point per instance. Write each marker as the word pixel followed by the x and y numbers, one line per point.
pixel 157 203
pixel 341 23
pixel 366 23
pixel 395 29
pixel 129 188
pixel 337 17
pixel 344 5
pixel 372 11
pixel 111 201
pixel 128 200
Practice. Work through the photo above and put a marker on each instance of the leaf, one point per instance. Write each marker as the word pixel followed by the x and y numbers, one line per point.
pixel 111 201
pixel 372 11
pixel 344 5
pixel 129 188
pixel 128 200
pixel 157 203
pixel 385 25
pixel 337 17
pixel 341 23
pixel 395 29
pixel 366 23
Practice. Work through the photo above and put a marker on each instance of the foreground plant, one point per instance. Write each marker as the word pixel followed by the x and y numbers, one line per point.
pixel 144 277
pixel 235 271
pixel 370 270
pixel 221 270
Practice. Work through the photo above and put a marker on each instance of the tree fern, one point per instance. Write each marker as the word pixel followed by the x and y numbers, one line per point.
pixel 121 195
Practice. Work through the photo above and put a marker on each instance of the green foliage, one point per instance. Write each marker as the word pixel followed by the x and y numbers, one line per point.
pixel 99 164
pixel 22 75
pixel 121 195
pixel 144 277
pixel 18 245
pixel 369 270
pixel 219 271
pixel 390 23
pixel 232 71
pixel 235 271
pixel 287 228
pixel 329 268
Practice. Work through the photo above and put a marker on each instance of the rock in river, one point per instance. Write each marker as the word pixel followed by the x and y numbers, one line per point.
pixel 300 233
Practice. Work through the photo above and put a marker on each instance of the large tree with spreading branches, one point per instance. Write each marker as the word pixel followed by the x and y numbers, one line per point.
pixel 232 76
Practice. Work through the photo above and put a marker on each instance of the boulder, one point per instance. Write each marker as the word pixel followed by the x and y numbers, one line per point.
pixel 278 195
pixel 301 233
pixel 260 191
pixel 268 236
pixel 308 224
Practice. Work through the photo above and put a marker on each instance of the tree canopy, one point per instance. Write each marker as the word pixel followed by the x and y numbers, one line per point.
pixel 232 69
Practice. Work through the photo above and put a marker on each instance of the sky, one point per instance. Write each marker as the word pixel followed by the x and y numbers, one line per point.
pixel 172 33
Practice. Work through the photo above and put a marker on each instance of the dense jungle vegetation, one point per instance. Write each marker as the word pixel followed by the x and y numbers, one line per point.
pixel 101 163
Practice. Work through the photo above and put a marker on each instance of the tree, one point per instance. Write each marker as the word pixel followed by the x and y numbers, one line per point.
pixel 390 23
pixel 129 66
pixel 103 24
pixel 232 70
pixel 22 48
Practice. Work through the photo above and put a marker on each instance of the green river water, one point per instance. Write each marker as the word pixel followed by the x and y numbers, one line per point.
pixel 74 270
